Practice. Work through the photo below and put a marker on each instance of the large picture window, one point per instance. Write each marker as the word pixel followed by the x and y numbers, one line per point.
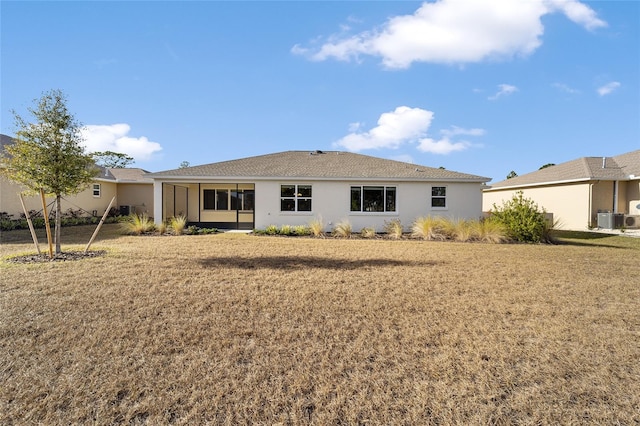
pixel 439 197
pixel 228 199
pixel 295 198
pixel 373 198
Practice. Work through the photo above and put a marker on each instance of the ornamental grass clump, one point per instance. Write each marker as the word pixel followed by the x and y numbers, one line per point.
pixel 342 230
pixel 138 224
pixel 368 232
pixel 316 227
pixel 488 231
pixel 428 228
pixel 393 228
pixel 178 223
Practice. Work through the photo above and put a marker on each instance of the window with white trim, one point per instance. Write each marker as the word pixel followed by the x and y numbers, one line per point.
pixel 373 198
pixel 439 197
pixel 295 198
pixel 96 190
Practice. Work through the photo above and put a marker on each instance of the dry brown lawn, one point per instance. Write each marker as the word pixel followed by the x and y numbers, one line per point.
pixel 233 329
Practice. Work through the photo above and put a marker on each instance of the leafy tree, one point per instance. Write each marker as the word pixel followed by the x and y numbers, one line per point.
pixel 546 165
pixel 114 160
pixel 48 153
pixel 511 174
pixel 184 164
pixel 522 219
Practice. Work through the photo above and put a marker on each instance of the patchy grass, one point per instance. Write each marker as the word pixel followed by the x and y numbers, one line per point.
pixel 230 329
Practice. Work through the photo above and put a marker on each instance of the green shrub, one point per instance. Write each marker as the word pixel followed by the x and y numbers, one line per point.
pixel 271 230
pixel 301 230
pixel 522 219
pixel 285 230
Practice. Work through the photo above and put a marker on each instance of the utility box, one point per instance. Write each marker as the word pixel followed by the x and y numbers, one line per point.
pixel 610 220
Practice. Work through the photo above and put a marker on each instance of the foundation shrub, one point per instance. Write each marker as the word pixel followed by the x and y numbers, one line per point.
pixel 522 219
pixel 271 230
pixel 301 230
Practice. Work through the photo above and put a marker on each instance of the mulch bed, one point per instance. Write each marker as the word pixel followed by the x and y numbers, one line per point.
pixel 61 257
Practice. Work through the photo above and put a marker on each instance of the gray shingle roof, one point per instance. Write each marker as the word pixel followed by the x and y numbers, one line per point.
pixel 620 167
pixel 317 165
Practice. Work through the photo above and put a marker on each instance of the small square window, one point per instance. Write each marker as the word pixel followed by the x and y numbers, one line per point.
pixel 439 197
pixel 96 190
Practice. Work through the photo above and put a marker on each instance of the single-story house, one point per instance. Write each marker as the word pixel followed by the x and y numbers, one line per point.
pixel 294 187
pixel 132 189
pixel 583 193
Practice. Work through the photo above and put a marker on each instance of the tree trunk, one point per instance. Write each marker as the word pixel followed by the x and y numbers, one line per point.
pixel 58 222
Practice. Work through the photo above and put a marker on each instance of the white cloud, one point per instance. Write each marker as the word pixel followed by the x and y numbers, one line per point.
pixel 608 88
pixel 454 31
pixel 115 138
pixel 566 89
pixel 446 144
pixel 504 90
pixel 394 128
pixel 443 146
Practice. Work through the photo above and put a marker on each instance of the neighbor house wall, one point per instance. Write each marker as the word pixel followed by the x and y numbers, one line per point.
pixel 10 201
pixel 568 203
pixel 633 197
pixel 138 195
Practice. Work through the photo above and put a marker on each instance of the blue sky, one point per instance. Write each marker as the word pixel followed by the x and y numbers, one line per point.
pixel 482 86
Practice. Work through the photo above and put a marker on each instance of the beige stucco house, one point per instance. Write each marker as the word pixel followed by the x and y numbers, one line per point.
pixel 132 189
pixel 582 193
pixel 294 187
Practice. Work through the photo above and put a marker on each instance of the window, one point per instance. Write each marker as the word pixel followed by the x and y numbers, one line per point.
pixel 96 190
pixel 439 197
pixel 228 199
pixel 295 198
pixel 373 199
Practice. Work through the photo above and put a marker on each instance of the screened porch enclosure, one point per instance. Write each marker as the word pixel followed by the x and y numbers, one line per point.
pixel 211 205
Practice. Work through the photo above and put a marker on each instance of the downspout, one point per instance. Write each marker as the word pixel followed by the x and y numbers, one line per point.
pixel 615 196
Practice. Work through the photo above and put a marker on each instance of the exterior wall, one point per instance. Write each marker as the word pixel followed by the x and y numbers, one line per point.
pixel 632 194
pixel 10 202
pixel 331 202
pixel 568 203
pixel 138 195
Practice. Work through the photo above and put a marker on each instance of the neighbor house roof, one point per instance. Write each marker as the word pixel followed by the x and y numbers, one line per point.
pixel 119 175
pixel 130 175
pixel 327 165
pixel 621 167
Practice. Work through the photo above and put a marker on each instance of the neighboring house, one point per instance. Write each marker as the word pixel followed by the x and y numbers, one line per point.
pixel 294 187
pixel 580 193
pixel 132 189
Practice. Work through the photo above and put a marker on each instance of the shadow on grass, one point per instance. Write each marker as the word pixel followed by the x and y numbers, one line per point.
pixel 68 234
pixel 305 262
pixel 595 239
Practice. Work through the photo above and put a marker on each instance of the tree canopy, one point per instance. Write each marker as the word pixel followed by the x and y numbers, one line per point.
pixel 48 153
pixel 114 160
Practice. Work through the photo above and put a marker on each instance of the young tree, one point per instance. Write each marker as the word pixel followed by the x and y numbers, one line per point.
pixel 48 153
pixel 512 174
pixel 114 160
